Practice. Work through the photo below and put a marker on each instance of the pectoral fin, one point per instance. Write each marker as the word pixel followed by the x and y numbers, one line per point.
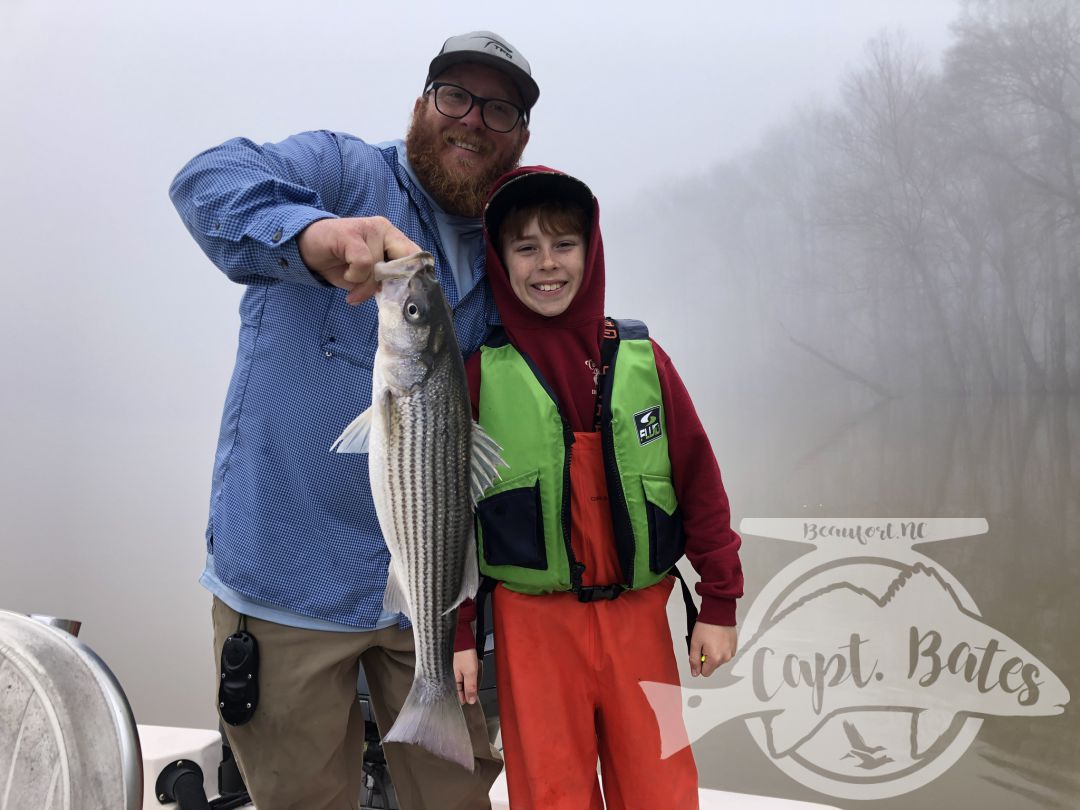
pixel 354 439
pixel 395 599
pixel 486 460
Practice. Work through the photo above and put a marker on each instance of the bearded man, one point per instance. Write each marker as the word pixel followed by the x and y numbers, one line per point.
pixel 295 556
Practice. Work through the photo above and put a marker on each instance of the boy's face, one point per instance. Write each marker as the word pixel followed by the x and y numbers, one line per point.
pixel 545 269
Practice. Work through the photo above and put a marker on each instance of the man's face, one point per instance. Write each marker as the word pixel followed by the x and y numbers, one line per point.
pixel 457 159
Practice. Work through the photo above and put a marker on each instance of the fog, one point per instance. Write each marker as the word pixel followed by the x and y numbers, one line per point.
pixel 853 224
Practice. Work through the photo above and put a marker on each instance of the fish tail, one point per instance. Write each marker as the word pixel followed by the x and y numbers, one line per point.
pixel 666 702
pixel 433 719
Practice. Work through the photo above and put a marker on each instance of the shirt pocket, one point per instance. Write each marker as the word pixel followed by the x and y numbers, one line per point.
pixel 512 523
pixel 351 332
pixel 666 538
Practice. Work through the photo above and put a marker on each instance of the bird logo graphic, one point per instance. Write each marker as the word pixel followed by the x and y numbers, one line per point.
pixel 863 752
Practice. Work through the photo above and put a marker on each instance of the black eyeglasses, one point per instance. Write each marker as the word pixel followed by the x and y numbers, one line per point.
pixel 454 101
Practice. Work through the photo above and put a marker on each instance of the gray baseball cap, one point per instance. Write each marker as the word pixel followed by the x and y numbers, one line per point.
pixel 487 48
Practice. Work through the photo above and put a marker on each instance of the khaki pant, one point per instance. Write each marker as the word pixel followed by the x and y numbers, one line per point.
pixel 303 749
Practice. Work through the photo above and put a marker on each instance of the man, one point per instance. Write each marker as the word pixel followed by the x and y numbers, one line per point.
pixel 293 542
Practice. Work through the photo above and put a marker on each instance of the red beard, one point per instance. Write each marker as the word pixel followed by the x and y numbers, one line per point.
pixel 463 191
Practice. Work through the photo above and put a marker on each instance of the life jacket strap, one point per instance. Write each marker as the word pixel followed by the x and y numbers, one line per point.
pixel 487 585
pixel 688 605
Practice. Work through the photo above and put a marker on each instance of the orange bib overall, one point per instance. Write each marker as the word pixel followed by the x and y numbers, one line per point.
pixel 568 673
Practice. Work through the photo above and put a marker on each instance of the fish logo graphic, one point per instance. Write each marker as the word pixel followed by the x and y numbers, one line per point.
pixel 648 425
pixel 867 668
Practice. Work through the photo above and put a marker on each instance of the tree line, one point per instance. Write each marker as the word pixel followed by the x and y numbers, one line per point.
pixel 923 232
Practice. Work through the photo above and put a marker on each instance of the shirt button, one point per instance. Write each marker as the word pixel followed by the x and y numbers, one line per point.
pixel 329 354
pixel 277 236
pixel 283 263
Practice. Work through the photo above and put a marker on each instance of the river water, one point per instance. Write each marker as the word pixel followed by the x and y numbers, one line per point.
pixel 120 547
pixel 1014 462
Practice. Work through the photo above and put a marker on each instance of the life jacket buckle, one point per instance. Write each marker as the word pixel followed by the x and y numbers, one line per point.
pixel 599 593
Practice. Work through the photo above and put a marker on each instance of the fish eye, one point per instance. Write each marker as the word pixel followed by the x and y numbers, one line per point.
pixel 413 312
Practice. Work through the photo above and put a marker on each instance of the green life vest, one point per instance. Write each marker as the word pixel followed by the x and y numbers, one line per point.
pixel 523 521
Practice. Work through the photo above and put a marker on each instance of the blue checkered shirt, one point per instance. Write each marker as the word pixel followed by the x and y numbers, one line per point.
pixel 293 525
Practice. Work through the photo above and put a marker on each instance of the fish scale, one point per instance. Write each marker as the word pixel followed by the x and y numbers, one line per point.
pixel 422 439
pixel 425 477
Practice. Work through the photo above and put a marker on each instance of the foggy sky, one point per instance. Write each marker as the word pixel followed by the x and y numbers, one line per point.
pixel 116 334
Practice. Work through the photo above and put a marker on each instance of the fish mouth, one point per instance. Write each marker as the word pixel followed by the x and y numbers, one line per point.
pixel 403 268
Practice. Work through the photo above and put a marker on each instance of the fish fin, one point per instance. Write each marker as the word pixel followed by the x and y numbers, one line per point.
pixel 394 598
pixel 927 726
pixel 437 724
pixel 666 701
pixel 354 439
pixel 685 715
pixel 470 576
pixel 486 460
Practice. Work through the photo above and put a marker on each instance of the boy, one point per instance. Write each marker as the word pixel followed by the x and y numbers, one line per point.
pixel 611 478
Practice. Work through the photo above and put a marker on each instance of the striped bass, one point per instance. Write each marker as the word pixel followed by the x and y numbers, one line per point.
pixel 428 463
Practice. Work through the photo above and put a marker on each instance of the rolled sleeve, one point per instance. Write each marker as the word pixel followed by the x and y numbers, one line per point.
pixel 277 239
pixel 245 204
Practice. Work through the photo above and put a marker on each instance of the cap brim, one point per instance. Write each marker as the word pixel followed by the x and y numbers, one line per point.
pixel 525 84
pixel 536 186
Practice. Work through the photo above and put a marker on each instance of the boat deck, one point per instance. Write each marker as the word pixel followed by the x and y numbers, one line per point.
pixel 162 744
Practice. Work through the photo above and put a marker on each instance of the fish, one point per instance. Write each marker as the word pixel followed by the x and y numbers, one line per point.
pixel 429 462
pixel 843 648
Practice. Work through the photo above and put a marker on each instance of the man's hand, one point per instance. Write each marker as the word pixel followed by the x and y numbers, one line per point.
pixel 344 251
pixel 466 673
pixel 715 643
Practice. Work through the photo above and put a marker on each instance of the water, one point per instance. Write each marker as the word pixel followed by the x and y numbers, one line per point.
pixel 1013 461
pixel 113 536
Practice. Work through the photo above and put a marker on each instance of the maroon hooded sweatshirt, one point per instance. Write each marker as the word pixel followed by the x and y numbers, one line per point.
pixel 566 350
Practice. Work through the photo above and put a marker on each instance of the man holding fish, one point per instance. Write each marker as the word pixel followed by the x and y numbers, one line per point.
pixel 295 552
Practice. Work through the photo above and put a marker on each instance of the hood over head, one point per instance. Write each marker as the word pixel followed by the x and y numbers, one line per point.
pixel 565 347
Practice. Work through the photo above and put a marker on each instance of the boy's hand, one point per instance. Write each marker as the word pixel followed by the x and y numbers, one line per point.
pixel 713 642
pixel 466 673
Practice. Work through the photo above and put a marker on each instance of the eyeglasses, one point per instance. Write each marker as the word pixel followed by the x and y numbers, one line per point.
pixel 498 114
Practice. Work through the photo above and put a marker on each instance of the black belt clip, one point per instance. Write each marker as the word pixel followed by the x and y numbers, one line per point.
pixel 238 692
pixel 576 571
pixel 599 593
